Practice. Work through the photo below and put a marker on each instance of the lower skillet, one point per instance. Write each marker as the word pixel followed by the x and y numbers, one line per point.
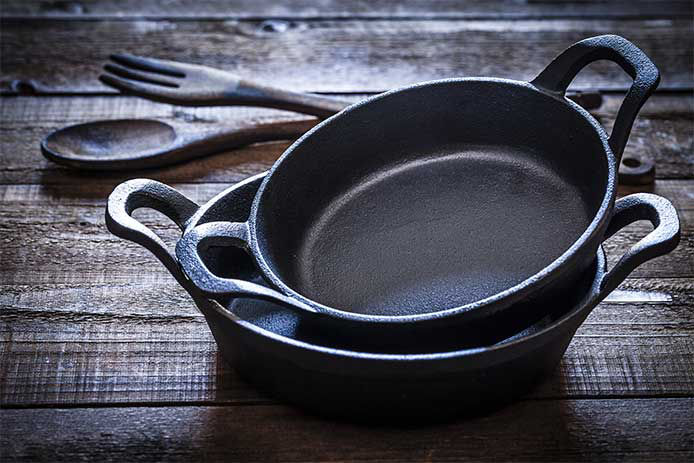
pixel 268 346
pixel 442 204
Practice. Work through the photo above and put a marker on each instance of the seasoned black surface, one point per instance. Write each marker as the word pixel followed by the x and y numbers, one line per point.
pixel 439 233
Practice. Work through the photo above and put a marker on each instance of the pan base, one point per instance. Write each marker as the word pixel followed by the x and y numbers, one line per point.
pixel 439 231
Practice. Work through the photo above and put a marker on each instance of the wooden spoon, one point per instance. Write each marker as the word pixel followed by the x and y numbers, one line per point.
pixel 130 144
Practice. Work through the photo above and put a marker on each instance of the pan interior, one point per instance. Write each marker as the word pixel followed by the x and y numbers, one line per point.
pixel 426 212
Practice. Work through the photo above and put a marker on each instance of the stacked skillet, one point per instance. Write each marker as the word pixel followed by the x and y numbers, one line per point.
pixel 431 250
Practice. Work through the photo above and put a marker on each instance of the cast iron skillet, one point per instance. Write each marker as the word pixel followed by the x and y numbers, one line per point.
pixel 439 204
pixel 269 346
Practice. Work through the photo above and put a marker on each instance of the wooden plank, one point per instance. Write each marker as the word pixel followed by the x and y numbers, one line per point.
pixel 158 362
pixel 86 325
pixel 144 342
pixel 642 305
pixel 332 56
pixel 36 236
pixel 25 121
pixel 74 254
pixel 575 430
pixel 89 194
pixel 663 132
pixel 245 9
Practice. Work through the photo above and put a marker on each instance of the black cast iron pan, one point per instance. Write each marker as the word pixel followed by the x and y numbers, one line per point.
pixel 267 344
pixel 437 205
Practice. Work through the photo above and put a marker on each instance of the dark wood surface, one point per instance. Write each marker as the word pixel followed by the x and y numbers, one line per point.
pixel 240 9
pixel 104 357
pixel 551 430
pixel 332 55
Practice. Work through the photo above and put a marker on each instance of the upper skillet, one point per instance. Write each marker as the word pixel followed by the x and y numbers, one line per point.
pixel 440 203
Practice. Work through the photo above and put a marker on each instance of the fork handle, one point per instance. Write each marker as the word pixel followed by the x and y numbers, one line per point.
pixel 249 93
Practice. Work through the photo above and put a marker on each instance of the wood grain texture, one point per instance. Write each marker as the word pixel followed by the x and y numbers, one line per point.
pixel 574 430
pixel 83 324
pixel 66 357
pixel 76 246
pixel 332 56
pixel 60 239
pixel 663 132
pixel 652 306
pixel 103 357
pixel 240 9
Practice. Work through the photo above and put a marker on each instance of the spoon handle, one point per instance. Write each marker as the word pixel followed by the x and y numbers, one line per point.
pixel 195 144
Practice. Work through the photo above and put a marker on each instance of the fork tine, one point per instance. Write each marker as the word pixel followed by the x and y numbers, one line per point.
pixel 142 89
pixel 170 68
pixel 142 77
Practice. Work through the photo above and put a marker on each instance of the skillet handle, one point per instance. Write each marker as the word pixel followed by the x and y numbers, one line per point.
pixel 559 73
pixel 138 193
pixel 661 240
pixel 233 234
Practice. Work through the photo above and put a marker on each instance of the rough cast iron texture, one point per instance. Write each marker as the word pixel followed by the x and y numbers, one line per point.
pixel 440 205
pixel 273 346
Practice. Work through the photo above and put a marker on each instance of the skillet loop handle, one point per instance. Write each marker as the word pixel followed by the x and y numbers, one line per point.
pixel 234 234
pixel 558 75
pixel 661 240
pixel 138 193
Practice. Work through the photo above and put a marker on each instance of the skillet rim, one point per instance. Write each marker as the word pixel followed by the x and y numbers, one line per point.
pixel 476 356
pixel 490 304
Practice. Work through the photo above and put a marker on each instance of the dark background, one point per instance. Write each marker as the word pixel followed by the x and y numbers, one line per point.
pixel 102 355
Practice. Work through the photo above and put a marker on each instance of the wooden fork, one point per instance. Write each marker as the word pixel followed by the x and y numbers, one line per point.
pixel 194 85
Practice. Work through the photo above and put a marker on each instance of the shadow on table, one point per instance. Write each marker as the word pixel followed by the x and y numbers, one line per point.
pixel 226 168
pixel 526 429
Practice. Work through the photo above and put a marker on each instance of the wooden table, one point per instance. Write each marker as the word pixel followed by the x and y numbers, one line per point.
pixel 104 357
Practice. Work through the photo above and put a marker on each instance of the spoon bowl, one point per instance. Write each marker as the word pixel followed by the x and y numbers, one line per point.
pixel 128 144
pixel 117 139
